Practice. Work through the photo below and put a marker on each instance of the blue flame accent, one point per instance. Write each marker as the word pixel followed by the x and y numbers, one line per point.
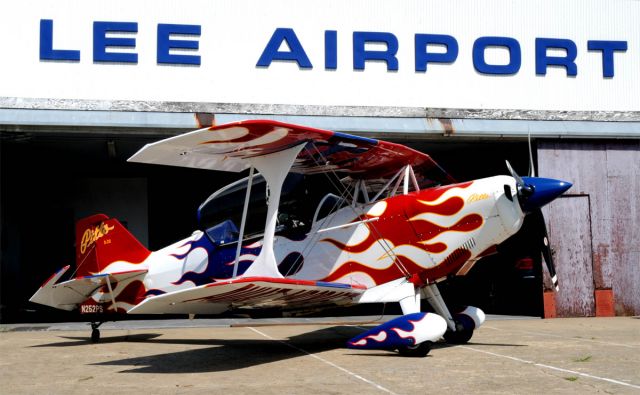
pixel 392 340
pixel 220 259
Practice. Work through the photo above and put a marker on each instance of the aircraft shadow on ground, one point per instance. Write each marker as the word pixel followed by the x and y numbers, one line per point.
pixel 85 340
pixel 222 355
pixel 435 346
pixel 226 355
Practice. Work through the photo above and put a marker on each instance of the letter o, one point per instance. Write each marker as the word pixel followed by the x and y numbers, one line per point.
pixel 515 56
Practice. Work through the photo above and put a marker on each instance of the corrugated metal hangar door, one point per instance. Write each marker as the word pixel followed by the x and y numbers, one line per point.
pixel 570 235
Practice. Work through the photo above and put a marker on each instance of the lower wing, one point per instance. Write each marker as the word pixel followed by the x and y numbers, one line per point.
pixel 250 292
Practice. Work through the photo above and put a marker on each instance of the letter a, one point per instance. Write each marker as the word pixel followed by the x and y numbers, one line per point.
pixel 296 52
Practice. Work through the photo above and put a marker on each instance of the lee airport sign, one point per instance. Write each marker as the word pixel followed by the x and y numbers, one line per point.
pixel 537 55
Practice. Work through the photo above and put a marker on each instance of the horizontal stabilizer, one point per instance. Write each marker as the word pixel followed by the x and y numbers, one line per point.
pixel 249 292
pixel 69 294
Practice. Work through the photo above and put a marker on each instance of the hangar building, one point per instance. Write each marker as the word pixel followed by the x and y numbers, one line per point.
pixel 84 85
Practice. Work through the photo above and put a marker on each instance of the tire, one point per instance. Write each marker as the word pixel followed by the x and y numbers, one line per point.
pixel 95 335
pixel 463 333
pixel 418 351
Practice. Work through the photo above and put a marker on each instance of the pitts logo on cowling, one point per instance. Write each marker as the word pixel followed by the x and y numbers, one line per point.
pixel 91 235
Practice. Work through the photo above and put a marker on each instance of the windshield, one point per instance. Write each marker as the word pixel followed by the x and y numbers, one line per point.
pixel 301 195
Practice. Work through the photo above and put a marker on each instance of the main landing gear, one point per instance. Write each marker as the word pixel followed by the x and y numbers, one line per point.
pixel 464 330
pixel 95 332
pixel 418 351
pixel 413 333
pixel 460 326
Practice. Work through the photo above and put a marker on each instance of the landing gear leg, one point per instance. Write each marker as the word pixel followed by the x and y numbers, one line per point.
pixel 435 300
pixel 95 332
pixel 459 329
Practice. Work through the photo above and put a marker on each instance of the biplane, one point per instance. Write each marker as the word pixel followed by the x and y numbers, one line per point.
pixel 322 219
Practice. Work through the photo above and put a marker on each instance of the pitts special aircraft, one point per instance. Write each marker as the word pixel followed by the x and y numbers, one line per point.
pixel 328 219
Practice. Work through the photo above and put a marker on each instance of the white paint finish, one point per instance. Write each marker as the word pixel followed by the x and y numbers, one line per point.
pixel 274 168
pixel 393 291
pixel 430 328
pixel 188 150
pixel 58 297
pixel 476 314
pixel 166 268
pixel 234 34
pixel 411 304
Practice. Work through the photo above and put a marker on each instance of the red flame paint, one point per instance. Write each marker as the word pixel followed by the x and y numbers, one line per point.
pixel 392 227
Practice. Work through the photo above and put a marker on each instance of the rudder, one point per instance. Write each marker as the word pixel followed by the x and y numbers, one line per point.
pixel 101 240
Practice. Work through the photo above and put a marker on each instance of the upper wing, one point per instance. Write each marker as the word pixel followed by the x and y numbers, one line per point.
pixel 226 147
pixel 249 292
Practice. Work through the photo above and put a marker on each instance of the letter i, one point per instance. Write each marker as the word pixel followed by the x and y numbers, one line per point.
pixel 330 50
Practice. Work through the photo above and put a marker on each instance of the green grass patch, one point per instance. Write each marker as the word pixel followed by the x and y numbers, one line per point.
pixel 571 378
pixel 583 359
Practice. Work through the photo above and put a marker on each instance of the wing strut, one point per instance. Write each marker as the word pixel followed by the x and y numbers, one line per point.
pixel 409 175
pixel 402 173
pixel 243 221
pixel 274 168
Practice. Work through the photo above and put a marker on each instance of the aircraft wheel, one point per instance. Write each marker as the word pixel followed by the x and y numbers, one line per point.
pixel 95 335
pixel 417 351
pixel 463 333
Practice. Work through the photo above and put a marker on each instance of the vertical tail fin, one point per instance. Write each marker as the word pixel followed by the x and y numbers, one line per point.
pixel 101 240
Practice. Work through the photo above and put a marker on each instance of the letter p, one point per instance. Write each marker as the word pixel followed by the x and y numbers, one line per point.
pixel 423 57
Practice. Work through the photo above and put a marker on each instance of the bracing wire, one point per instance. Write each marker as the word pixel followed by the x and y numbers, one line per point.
pixel 380 239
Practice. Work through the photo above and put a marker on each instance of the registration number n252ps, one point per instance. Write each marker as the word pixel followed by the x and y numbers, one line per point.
pixel 91 309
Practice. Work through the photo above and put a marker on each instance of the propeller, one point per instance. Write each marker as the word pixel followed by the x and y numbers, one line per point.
pixel 533 193
pixel 542 239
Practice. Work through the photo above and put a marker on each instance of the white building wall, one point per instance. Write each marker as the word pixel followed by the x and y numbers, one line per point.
pixel 234 34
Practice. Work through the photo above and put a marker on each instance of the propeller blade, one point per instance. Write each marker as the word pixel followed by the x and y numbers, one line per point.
pixel 532 169
pixel 543 240
pixel 524 189
pixel 515 175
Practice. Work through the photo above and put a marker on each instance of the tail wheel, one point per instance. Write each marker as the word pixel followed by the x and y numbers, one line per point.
pixel 418 351
pixel 95 335
pixel 95 332
pixel 463 332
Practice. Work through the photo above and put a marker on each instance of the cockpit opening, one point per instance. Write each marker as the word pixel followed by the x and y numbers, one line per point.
pixel 305 199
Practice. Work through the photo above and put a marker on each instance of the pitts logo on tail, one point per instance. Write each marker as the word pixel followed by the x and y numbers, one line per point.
pixel 356 220
pixel 90 236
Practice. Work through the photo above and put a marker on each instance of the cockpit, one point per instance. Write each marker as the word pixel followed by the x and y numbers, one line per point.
pixel 305 199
